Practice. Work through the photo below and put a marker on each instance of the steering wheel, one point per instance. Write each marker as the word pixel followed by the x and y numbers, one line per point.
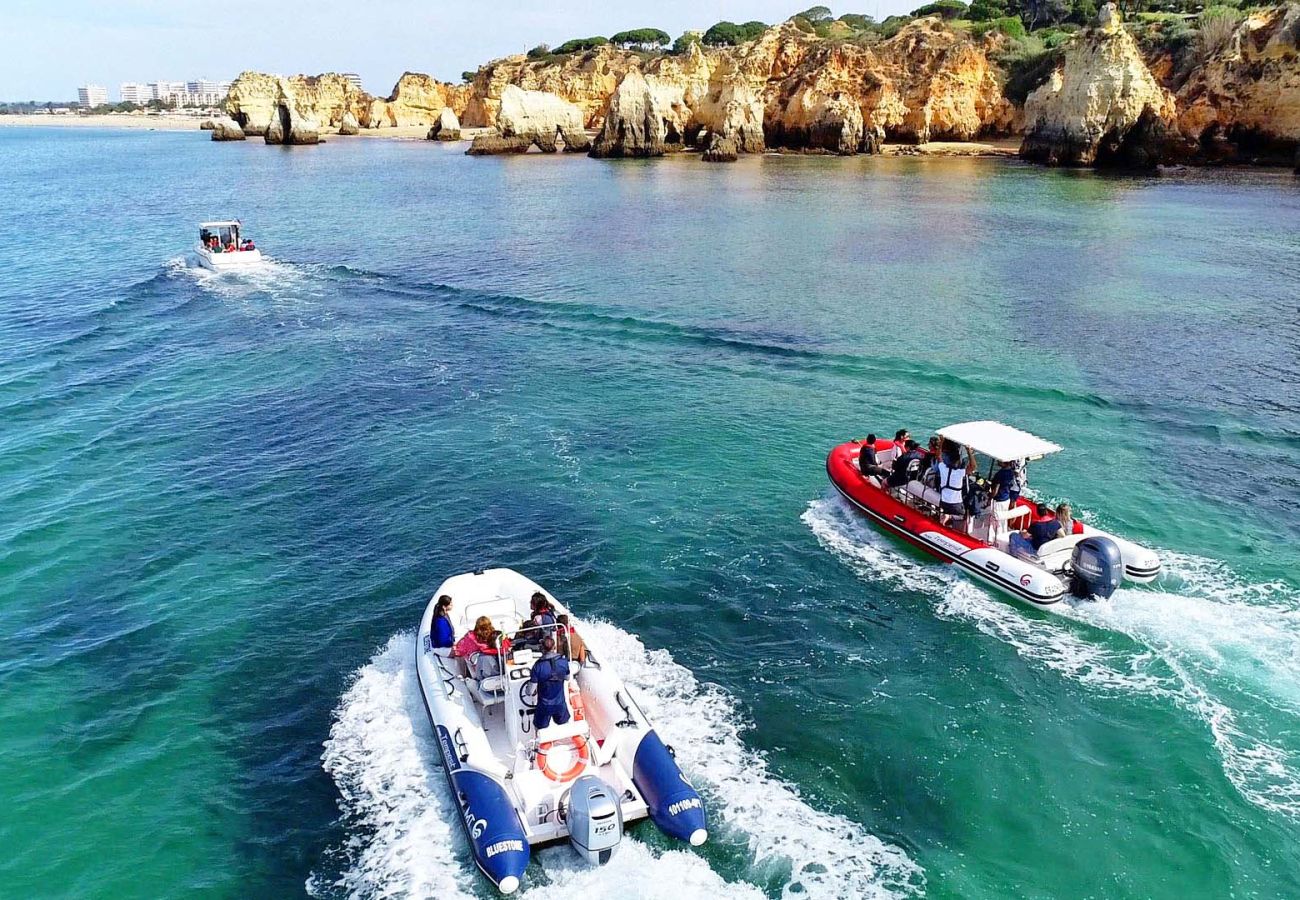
pixel 527 690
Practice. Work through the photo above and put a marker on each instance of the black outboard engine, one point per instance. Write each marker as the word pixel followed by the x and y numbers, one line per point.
pixel 1098 567
pixel 594 817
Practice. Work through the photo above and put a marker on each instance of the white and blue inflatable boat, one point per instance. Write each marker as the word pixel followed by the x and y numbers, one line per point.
pixel 515 787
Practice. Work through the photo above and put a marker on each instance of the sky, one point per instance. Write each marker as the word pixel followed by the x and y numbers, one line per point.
pixel 51 47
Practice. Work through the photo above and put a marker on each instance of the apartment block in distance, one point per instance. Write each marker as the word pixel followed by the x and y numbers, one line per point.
pixel 92 95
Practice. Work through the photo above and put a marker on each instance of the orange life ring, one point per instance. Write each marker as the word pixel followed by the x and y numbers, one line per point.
pixel 581 757
pixel 575 702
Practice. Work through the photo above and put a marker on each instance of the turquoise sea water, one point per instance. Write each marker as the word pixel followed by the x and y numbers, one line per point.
pixel 226 501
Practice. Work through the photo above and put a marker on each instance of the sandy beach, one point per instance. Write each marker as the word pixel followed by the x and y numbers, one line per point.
pixel 123 120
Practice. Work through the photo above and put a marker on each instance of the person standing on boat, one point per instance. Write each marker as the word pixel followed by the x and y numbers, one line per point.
pixel 550 674
pixel 952 471
pixel 441 634
pixel 1004 486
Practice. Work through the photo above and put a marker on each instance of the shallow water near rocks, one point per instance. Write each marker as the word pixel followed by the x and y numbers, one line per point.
pixel 227 499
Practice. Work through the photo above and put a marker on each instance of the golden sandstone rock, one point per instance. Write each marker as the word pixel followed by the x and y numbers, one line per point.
pixel 1101 105
pixel 791 90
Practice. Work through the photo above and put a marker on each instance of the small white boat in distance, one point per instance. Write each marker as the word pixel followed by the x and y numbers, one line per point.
pixel 221 248
pixel 517 787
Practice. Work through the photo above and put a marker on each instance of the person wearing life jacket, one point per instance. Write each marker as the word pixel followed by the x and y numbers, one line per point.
pixel 901 437
pixel 907 467
pixel 953 471
pixel 1045 527
pixel 868 463
pixel 550 674
pixel 569 643
pixel 441 634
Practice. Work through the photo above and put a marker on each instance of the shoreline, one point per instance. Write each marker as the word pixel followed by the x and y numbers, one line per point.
pixel 997 148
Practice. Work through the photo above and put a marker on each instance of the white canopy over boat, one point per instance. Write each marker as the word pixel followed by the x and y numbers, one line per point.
pixel 1001 442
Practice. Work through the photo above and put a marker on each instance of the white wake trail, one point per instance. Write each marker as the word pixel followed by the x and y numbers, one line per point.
pixel 404 838
pixel 1226 649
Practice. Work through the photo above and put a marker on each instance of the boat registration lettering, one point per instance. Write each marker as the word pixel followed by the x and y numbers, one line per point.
pixel 503 847
pixel 683 805
pixel 943 542
pixel 448 751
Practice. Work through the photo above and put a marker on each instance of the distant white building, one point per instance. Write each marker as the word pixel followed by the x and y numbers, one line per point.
pixel 354 78
pixel 135 92
pixel 92 95
pixel 167 91
pixel 203 92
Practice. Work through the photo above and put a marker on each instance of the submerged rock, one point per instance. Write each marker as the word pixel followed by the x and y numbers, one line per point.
pixel 447 128
pixel 1101 106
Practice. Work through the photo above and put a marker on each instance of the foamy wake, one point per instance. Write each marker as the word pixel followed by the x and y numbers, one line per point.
pixel 279 284
pixel 1226 649
pixel 403 838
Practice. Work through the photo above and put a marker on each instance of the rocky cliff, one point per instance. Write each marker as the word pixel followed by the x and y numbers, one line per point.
pixel 255 100
pixel 1101 105
pixel 1244 102
pixel 1110 99
pixel 336 103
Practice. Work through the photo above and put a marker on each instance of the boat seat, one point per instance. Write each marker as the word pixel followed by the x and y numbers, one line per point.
pixel 1056 553
pixel 571 728
pixel 921 492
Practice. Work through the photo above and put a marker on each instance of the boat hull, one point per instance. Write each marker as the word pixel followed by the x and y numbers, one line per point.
pixel 226 262
pixel 988 565
pixel 505 798
pixel 1024 580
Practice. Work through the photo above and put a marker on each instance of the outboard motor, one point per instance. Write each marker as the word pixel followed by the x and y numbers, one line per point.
pixel 1098 567
pixel 594 818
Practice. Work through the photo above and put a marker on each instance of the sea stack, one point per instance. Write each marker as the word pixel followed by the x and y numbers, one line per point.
pixel 1101 106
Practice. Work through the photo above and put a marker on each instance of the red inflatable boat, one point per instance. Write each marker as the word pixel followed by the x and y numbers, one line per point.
pixel 1071 563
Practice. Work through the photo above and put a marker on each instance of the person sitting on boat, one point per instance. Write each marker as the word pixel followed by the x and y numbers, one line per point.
pixel 482 641
pixel 901 437
pixel 231 247
pixel 1045 528
pixel 247 244
pixel 907 467
pixel 539 624
pixel 550 674
pixel 569 642
pixel 868 462
pixel 441 634
pixel 1067 520
pixel 952 471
